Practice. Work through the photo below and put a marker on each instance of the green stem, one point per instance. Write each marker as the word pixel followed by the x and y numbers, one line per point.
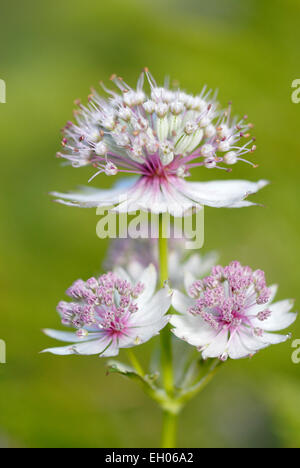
pixel 135 362
pixel 163 259
pixel 169 418
pixel 166 343
pixel 169 430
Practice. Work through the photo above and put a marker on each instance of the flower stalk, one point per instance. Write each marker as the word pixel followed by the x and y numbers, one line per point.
pixel 135 362
pixel 166 342
pixel 169 433
pixel 169 417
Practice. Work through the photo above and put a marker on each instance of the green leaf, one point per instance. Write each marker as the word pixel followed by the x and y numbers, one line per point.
pixel 120 368
pixel 147 381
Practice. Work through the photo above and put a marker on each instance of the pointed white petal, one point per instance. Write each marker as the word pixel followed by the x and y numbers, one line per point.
pixel 192 329
pixel 222 193
pixel 93 347
pixel 111 351
pixel 88 197
pixel 278 323
pixel 153 310
pixel 281 307
pixel 181 302
pixel 217 346
pixel 273 338
pixel 121 273
pixel 143 333
pixel 250 341
pixel 189 279
pixel 149 279
pixel 236 348
pixel 280 317
pixel 201 265
pixel 69 337
pixel 178 204
pixel 61 351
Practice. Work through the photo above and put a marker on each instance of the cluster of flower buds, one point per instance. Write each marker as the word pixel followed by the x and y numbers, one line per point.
pixel 224 297
pixel 166 132
pixel 104 302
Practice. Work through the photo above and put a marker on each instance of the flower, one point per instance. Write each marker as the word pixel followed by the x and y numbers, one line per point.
pixel 159 138
pixel 231 313
pixel 135 254
pixel 111 312
pixel 182 266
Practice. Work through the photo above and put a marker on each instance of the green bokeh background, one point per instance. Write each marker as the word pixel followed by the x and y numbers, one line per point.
pixel 50 53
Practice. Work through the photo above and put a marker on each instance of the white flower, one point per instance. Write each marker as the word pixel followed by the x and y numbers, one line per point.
pixel 160 138
pixel 230 313
pixel 136 254
pixel 182 266
pixel 111 312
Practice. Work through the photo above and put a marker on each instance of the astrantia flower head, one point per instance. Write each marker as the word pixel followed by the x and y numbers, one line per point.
pixel 136 254
pixel 159 137
pixel 111 312
pixel 230 313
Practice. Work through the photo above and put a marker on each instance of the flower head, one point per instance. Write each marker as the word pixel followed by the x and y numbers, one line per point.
pixel 230 313
pixel 159 137
pixel 136 254
pixel 163 134
pixel 111 312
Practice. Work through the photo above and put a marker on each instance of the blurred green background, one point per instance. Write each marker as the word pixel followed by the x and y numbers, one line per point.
pixel 51 52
